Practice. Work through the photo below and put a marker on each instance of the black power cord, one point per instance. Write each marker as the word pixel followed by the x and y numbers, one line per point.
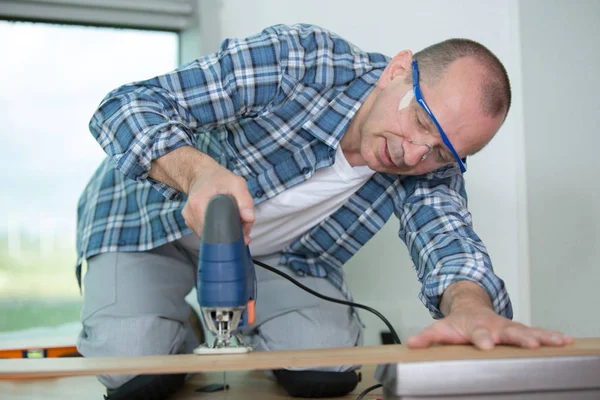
pixel 348 303
pixel 319 295
pixel 367 390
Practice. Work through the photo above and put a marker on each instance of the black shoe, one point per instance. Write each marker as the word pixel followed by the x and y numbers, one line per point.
pixel 147 387
pixel 317 384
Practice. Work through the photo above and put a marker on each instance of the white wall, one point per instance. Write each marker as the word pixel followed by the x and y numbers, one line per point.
pixel 497 200
pixel 561 55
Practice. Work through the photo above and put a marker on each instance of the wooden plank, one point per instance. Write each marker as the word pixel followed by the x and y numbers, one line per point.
pixel 32 368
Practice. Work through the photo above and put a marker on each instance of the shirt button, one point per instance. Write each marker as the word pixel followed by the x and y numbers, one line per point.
pixel 258 193
pixel 305 170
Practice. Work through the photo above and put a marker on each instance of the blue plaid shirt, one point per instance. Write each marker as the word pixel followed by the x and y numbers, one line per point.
pixel 272 108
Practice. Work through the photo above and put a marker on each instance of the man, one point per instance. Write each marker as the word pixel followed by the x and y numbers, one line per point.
pixel 319 142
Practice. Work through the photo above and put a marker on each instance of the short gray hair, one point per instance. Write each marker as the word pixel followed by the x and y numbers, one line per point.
pixel 495 89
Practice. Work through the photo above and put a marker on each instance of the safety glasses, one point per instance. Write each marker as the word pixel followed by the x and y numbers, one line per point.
pixel 423 104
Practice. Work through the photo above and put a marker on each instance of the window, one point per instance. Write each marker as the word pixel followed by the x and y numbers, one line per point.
pixel 53 78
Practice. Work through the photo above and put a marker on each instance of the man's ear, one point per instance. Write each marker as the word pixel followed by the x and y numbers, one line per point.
pixel 399 66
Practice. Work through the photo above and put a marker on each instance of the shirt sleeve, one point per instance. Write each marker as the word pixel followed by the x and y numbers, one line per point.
pixel 436 227
pixel 245 78
pixel 141 121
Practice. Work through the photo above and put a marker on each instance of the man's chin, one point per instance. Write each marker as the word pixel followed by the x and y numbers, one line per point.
pixel 377 164
pixel 401 171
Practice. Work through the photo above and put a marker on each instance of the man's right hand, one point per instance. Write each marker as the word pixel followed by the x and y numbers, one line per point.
pixel 217 180
pixel 201 177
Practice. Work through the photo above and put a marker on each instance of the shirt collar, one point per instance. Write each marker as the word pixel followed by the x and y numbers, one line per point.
pixel 331 122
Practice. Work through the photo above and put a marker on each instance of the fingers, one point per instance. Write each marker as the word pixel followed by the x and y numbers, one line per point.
pixel 519 336
pixel 420 341
pixel 485 333
pixel 439 332
pixel 482 339
pixel 246 228
pixel 551 338
pixel 247 216
pixel 246 206
pixel 195 207
pixel 531 338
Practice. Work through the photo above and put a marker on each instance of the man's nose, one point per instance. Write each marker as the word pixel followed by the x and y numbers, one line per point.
pixel 415 152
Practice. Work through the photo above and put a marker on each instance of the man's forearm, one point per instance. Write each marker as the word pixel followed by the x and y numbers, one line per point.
pixel 464 296
pixel 179 167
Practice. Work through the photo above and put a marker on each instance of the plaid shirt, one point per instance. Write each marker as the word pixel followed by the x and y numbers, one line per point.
pixel 272 108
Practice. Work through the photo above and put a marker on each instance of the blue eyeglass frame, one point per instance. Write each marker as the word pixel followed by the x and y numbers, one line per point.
pixel 423 104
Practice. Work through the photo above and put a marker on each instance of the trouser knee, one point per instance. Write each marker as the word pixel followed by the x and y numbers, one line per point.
pixel 134 305
pixel 312 328
pixel 133 336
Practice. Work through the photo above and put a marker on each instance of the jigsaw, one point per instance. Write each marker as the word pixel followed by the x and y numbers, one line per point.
pixel 226 278
pixel 227 294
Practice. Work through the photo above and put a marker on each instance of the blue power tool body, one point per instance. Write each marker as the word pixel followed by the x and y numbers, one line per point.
pixel 226 278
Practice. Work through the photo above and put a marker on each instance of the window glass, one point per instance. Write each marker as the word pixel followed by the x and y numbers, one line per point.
pixel 53 78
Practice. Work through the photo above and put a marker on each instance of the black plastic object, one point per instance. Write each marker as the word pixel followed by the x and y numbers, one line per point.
pixel 213 387
pixel 147 387
pixel 387 338
pixel 222 224
pixel 317 384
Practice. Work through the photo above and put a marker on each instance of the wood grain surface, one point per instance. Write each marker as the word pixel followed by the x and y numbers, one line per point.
pixel 367 355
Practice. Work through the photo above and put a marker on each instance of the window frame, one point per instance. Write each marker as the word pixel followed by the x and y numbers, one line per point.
pixel 166 15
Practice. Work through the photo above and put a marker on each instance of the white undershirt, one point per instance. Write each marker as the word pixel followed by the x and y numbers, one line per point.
pixel 285 217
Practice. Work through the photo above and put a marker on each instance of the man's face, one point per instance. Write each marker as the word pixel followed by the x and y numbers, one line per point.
pixel 397 129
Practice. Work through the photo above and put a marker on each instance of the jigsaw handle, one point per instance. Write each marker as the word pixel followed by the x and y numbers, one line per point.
pixel 226 276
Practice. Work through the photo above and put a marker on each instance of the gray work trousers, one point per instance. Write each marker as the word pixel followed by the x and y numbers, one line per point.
pixel 134 304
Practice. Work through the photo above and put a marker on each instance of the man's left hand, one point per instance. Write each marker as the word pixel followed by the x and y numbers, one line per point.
pixel 485 329
pixel 470 320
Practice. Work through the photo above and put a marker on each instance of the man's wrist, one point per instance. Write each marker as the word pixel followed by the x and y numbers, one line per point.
pixel 180 167
pixel 464 296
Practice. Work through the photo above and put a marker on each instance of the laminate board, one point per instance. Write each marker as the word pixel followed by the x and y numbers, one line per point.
pixel 364 355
